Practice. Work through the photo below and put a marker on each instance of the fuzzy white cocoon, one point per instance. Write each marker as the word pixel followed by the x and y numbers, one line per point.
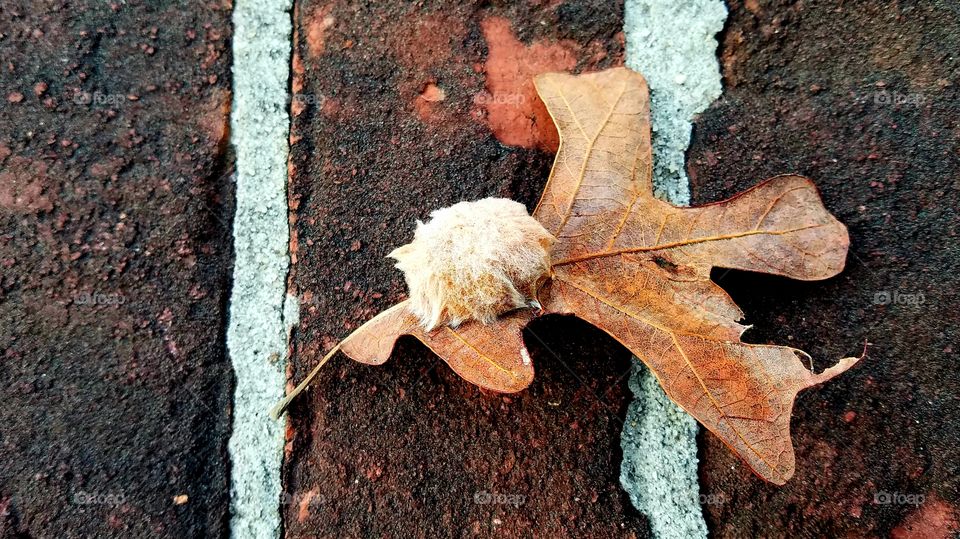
pixel 474 260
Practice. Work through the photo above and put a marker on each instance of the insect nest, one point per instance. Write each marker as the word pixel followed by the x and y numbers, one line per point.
pixel 474 260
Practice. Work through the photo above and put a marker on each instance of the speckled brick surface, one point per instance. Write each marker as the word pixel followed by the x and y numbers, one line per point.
pixel 863 98
pixel 400 109
pixel 114 262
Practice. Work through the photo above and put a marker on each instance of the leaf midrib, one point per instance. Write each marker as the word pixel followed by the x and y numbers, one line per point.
pixel 723 415
pixel 681 243
pixel 591 141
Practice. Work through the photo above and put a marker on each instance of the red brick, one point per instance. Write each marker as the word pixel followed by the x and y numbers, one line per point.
pixel 409 448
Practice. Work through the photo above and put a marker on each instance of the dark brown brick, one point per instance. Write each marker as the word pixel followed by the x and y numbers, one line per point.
pixel 408 108
pixel 114 265
pixel 864 99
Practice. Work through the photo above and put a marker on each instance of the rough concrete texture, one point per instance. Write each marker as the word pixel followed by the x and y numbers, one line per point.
pixel 864 98
pixel 659 470
pixel 114 268
pixel 401 109
pixel 673 45
pixel 257 334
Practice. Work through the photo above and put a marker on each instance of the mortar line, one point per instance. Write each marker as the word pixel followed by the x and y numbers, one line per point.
pixel 672 43
pixel 257 329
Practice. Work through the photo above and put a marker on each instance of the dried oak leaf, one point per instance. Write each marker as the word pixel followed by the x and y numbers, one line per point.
pixel 639 269
pixel 488 355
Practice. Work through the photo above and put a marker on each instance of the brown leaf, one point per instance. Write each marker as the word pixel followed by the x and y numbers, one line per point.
pixel 490 356
pixel 639 268
pixel 372 343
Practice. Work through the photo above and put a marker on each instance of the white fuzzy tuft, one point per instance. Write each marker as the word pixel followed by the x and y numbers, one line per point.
pixel 474 260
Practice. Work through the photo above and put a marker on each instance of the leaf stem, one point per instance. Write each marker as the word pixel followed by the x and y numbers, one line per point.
pixel 281 406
